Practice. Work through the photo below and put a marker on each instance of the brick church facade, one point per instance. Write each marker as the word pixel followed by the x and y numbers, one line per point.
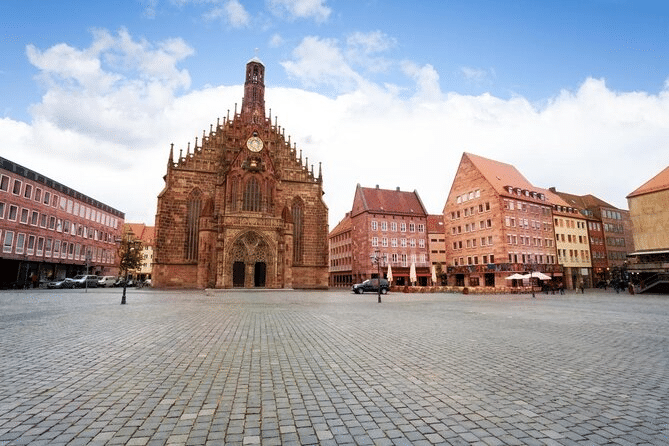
pixel 242 209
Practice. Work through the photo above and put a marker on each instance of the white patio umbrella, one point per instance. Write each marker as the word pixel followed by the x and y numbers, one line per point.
pixel 516 277
pixel 412 274
pixel 538 275
pixel 434 275
pixel 390 274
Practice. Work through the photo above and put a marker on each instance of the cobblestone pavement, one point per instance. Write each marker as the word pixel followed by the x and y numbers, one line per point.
pixel 296 368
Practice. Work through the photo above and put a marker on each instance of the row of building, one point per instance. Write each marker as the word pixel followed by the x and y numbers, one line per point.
pixel 50 231
pixel 494 224
pixel 245 209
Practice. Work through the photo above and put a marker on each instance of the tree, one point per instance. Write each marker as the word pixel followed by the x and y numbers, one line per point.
pixel 439 272
pixel 130 254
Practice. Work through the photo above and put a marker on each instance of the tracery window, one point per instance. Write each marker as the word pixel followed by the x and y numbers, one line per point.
pixel 234 186
pixel 194 209
pixel 252 195
pixel 298 232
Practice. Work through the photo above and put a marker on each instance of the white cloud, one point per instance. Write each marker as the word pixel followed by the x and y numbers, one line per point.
pixel 477 75
pixel 112 141
pixel 275 41
pixel 302 9
pixel 231 12
pixel 320 61
pixel 427 80
pixel 115 90
pixel 363 49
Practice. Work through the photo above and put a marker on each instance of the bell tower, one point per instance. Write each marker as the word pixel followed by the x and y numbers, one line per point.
pixel 253 103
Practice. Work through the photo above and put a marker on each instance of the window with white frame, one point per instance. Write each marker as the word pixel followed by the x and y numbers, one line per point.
pixel 403 227
pixel 374 225
pixel 40 246
pixel 8 242
pixel 24 216
pixel 4 183
pixel 384 225
pixel 375 241
pixel 28 191
pixel 393 226
pixel 16 189
pixel 20 243
pixel 30 249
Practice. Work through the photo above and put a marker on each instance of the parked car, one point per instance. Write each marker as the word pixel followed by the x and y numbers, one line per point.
pixel 107 281
pixel 62 283
pixel 371 285
pixel 85 280
pixel 123 282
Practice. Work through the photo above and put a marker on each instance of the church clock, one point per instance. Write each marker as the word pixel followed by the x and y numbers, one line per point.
pixel 254 144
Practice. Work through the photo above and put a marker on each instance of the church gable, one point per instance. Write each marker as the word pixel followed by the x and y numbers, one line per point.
pixel 249 178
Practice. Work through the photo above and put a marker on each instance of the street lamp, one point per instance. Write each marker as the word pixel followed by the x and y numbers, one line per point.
pixel 531 283
pixel 127 260
pixel 376 258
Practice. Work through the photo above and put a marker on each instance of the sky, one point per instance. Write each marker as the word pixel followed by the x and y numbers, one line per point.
pixel 573 93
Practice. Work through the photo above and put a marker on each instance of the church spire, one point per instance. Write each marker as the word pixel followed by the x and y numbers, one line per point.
pixel 253 103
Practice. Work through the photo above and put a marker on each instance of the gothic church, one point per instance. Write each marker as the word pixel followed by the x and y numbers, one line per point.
pixel 242 209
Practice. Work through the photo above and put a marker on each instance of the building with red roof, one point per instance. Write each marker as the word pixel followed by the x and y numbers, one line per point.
pixel 497 224
pixel 384 223
pixel 649 213
pixel 145 234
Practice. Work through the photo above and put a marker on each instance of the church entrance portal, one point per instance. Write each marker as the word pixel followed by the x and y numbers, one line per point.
pixel 249 260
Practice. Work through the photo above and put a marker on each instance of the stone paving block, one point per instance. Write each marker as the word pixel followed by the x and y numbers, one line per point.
pixel 294 367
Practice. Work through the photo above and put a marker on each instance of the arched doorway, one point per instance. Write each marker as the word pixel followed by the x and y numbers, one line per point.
pixel 250 260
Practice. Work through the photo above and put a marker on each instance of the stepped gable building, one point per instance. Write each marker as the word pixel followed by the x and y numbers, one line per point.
pixel 242 209
pixel 649 213
pixel 497 224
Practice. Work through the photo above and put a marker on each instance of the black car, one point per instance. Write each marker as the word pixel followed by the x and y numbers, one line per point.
pixel 371 285
pixel 63 283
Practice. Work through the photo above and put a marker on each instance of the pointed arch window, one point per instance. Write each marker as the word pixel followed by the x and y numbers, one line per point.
pixel 252 195
pixel 298 232
pixel 232 199
pixel 194 208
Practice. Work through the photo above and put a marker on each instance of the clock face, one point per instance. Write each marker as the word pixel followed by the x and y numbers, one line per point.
pixel 254 144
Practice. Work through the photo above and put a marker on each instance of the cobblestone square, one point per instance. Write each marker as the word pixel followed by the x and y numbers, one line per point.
pixel 332 368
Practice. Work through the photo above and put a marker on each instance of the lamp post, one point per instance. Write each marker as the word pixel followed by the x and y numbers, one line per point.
pixel 376 258
pixel 531 284
pixel 127 260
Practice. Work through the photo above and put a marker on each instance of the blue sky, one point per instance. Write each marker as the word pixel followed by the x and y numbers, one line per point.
pixel 570 92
